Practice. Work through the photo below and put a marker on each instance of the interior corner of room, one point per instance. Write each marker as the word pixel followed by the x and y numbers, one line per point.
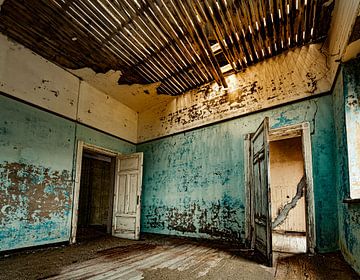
pixel 219 122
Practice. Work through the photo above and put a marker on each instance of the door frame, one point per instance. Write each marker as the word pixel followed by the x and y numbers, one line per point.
pixel 81 146
pixel 298 130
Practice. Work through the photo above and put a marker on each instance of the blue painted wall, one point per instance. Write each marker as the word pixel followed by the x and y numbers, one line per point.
pixel 194 182
pixel 346 98
pixel 36 173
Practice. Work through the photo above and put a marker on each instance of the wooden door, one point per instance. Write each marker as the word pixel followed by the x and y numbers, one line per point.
pixel 261 191
pixel 127 196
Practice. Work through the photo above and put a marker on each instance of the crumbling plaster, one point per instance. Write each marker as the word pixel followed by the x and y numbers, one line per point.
pixel 29 77
pixel 136 96
pixel 194 181
pixel 37 167
pixel 296 74
pixel 346 107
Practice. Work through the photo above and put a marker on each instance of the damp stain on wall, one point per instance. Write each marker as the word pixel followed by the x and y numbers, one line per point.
pixel 347 112
pixel 198 176
pixel 218 219
pixel 37 173
pixel 33 197
pixel 246 97
pixel 42 192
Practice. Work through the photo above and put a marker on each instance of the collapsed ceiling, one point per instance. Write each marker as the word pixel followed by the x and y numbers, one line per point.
pixel 182 44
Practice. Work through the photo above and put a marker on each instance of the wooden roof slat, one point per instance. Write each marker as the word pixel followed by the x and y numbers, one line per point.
pixel 174 53
pixel 164 40
pixel 198 37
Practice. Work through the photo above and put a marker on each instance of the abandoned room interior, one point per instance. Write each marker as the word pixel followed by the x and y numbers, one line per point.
pixel 194 139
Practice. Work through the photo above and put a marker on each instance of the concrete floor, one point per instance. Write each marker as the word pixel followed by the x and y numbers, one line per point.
pixel 160 258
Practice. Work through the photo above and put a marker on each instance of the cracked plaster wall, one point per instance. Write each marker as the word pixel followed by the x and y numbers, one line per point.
pixel 346 113
pixel 291 76
pixel 287 185
pixel 194 181
pixel 31 78
pixel 37 173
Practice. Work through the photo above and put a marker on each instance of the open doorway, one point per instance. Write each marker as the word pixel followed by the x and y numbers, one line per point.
pixel 96 193
pixel 107 193
pixel 288 212
pixel 280 198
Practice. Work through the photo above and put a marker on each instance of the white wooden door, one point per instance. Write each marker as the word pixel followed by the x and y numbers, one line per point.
pixel 261 191
pixel 127 196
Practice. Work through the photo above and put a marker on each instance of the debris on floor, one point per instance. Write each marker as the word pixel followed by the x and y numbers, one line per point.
pixel 159 257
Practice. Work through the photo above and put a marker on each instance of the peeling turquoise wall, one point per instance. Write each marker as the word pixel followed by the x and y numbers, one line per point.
pixel 346 98
pixel 36 155
pixel 194 182
pixel 36 173
pixel 91 136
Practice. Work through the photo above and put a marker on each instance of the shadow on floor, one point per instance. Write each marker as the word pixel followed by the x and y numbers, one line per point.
pixel 162 257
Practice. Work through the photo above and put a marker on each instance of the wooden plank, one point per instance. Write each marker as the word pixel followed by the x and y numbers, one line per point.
pixel 201 43
pixel 180 38
pixel 310 202
pixel 76 194
pixel 148 39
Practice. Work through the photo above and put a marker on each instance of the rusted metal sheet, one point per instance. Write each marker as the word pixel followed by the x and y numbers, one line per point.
pixel 163 40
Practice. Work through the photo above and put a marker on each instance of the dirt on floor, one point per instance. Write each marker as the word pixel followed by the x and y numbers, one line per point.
pixel 159 257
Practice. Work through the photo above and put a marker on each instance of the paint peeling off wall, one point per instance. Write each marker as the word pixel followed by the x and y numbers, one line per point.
pixel 267 84
pixel 107 114
pixel 194 182
pixel 30 77
pixel 36 203
pixel 37 173
pixel 352 116
pixel 35 176
pixel 346 93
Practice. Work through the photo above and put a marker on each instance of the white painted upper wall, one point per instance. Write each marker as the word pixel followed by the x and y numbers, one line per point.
pixel 342 22
pixel 29 77
pixel 138 97
pixel 296 74
pixel 106 113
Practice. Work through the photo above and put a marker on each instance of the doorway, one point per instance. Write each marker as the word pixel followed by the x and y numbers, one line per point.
pixel 107 193
pixel 280 198
pixel 288 213
pixel 96 192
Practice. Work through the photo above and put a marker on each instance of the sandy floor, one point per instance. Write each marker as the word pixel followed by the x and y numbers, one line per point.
pixel 160 258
